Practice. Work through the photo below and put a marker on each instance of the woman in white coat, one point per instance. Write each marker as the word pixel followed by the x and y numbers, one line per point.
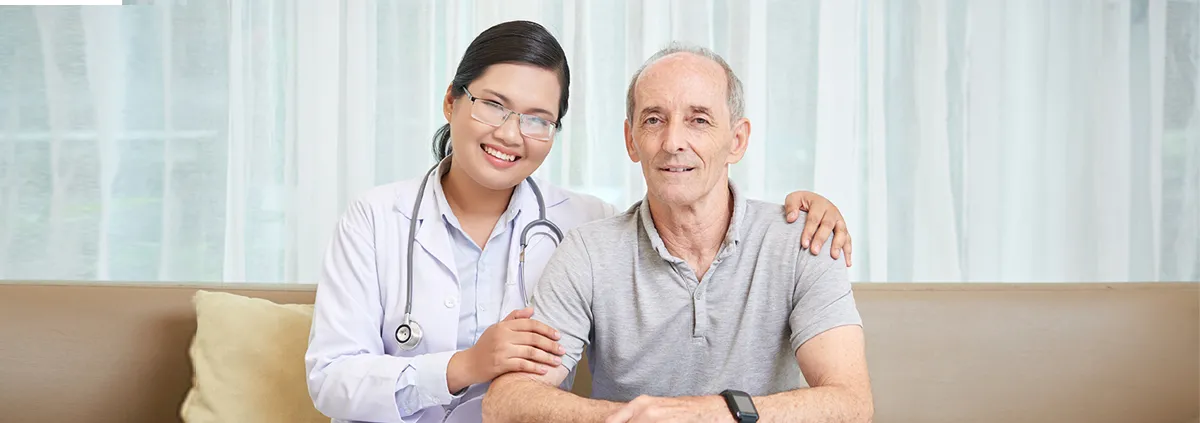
pixel 366 361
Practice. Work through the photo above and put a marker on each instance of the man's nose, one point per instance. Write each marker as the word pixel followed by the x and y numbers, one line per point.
pixel 675 138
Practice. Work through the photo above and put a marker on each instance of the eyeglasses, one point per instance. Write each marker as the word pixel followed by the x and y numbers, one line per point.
pixel 492 113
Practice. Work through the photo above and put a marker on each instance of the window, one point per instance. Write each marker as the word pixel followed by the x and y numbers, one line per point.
pixel 985 141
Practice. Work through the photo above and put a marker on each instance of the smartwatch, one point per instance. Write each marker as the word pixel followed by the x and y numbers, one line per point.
pixel 740 405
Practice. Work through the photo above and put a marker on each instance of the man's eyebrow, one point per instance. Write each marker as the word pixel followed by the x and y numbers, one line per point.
pixel 504 99
pixel 649 110
pixel 701 109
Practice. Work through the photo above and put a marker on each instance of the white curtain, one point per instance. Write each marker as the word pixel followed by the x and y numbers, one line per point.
pixel 965 140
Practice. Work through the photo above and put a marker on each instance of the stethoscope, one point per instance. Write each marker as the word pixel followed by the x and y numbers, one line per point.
pixel 409 333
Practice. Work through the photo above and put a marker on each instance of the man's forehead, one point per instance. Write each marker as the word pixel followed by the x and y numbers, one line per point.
pixel 685 79
pixel 680 66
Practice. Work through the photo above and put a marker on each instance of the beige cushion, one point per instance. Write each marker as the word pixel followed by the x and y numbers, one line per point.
pixel 248 361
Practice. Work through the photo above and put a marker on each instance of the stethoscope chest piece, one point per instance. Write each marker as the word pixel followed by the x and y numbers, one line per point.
pixel 408 335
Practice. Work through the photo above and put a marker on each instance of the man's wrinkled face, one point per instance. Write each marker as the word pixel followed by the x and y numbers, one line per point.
pixel 681 130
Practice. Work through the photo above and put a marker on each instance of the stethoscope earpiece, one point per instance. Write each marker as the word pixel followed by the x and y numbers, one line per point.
pixel 409 333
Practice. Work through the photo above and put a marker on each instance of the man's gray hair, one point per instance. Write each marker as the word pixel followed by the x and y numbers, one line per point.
pixel 733 93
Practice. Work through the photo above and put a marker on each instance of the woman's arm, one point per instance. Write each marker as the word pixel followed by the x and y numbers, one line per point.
pixel 349 375
pixel 822 220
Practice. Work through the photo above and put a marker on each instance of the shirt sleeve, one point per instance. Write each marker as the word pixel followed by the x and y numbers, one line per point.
pixel 822 299
pixel 349 375
pixel 563 297
pixel 609 209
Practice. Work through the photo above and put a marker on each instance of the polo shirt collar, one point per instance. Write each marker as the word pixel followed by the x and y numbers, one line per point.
pixel 732 235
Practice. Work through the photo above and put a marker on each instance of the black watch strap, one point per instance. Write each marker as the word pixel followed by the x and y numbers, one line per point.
pixel 741 406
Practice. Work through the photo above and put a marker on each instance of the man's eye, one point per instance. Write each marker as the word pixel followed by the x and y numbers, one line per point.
pixel 653 120
pixel 701 121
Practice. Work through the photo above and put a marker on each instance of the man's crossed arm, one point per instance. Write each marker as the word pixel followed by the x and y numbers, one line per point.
pixel 526 397
pixel 833 363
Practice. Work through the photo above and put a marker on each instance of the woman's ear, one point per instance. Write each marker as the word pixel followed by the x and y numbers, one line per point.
pixel 448 103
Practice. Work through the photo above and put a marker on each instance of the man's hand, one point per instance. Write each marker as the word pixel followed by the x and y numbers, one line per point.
pixel 645 409
pixel 824 219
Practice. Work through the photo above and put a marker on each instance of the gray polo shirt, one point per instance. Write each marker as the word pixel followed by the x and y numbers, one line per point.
pixel 651 328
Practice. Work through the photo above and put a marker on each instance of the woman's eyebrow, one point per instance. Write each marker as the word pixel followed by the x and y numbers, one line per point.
pixel 504 99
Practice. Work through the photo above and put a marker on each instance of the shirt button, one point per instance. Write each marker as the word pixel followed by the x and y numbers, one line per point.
pixel 482 307
pixel 451 301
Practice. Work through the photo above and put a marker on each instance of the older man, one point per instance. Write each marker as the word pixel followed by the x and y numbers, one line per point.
pixel 695 304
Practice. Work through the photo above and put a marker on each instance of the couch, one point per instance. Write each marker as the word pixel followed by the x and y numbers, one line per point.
pixel 1033 353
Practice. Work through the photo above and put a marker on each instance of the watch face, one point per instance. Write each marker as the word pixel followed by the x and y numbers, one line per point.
pixel 743 403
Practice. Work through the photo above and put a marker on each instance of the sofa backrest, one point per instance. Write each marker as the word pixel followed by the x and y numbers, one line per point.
pixel 937 352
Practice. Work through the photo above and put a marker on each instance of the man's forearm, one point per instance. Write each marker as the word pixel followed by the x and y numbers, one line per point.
pixel 823 404
pixel 517 398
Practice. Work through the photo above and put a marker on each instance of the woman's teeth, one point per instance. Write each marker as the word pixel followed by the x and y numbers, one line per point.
pixel 494 153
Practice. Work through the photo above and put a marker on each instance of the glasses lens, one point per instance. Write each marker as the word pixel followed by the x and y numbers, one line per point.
pixel 537 128
pixel 489 112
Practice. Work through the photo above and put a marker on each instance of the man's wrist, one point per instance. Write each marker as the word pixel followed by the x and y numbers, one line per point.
pixel 716 404
pixel 740 406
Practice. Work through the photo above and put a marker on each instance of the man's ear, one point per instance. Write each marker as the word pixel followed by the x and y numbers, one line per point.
pixel 741 140
pixel 448 102
pixel 629 142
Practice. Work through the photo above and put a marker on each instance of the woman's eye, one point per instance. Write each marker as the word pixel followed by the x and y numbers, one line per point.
pixel 493 104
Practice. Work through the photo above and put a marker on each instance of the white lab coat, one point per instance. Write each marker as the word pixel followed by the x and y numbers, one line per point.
pixel 353 361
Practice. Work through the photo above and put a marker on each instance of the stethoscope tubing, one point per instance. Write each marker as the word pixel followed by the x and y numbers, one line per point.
pixel 408 325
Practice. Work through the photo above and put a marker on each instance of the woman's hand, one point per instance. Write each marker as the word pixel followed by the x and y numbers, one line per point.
pixel 823 218
pixel 515 344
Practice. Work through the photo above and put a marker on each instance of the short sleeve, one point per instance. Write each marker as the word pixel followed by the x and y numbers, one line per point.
pixel 822 299
pixel 563 296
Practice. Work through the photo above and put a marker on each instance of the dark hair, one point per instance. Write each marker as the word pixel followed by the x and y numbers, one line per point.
pixel 521 42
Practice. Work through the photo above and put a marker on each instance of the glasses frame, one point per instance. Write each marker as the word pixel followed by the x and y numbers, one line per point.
pixel 554 126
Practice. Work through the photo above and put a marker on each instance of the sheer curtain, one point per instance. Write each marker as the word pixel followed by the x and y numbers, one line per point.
pixel 981 140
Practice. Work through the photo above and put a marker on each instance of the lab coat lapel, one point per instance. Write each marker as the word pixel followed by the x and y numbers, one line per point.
pixel 536 254
pixel 512 291
pixel 431 232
